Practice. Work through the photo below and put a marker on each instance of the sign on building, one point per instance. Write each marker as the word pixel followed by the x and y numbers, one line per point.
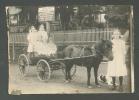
pixel 46 14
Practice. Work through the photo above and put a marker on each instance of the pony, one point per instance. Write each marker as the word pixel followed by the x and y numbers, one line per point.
pixel 88 57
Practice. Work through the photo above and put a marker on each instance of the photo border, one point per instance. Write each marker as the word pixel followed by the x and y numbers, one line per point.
pixel 4 48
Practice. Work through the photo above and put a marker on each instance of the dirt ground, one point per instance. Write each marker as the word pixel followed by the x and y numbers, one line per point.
pixel 30 84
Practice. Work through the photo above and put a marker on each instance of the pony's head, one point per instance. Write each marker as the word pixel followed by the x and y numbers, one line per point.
pixel 108 49
pixel 104 48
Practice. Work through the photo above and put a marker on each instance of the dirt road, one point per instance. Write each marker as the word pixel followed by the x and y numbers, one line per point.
pixel 30 84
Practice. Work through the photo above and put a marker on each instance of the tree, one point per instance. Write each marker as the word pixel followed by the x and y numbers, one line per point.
pixel 118 15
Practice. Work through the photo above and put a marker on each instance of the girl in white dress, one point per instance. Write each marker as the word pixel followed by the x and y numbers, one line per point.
pixel 32 38
pixel 117 67
pixel 42 41
pixel 42 45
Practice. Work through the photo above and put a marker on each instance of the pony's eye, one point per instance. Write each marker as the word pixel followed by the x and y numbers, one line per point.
pixel 109 46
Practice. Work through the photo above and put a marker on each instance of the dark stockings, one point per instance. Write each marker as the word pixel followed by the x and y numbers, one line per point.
pixel 113 80
pixel 120 82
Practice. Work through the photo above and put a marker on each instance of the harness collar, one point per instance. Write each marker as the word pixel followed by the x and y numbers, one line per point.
pixel 98 52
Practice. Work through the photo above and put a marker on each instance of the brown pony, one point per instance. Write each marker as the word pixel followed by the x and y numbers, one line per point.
pixel 87 56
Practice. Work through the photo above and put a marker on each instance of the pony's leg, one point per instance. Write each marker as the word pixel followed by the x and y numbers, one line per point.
pixel 96 75
pixel 88 77
pixel 69 69
pixel 68 78
pixel 66 73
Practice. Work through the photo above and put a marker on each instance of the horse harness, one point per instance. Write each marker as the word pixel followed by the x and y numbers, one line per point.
pixel 95 53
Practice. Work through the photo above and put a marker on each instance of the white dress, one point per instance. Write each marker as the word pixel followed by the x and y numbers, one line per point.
pixel 32 37
pixel 52 48
pixel 41 45
pixel 117 66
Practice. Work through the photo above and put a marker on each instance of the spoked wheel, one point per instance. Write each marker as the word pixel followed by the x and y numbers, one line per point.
pixel 72 71
pixel 23 63
pixel 43 70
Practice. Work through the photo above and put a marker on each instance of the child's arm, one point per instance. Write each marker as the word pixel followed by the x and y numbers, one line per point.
pixel 124 47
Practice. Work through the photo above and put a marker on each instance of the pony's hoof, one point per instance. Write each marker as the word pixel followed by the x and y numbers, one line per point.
pixel 89 87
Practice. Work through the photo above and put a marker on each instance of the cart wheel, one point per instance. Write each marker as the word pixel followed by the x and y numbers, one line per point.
pixel 72 71
pixel 23 63
pixel 43 70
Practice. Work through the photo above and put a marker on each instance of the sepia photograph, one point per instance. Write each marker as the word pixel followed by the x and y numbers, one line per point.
pixel 70 49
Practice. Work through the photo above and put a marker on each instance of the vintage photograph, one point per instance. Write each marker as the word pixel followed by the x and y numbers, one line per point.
pixel 70 49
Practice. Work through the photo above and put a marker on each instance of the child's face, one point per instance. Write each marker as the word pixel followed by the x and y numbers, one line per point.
pixel 33 29
pixel 116 37
pixel 41 28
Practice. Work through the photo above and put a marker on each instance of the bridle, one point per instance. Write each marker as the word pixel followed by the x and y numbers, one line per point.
pixel 99 52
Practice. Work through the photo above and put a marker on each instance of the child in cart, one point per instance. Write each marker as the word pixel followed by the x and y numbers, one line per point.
pixel 32 38
pixel 44 45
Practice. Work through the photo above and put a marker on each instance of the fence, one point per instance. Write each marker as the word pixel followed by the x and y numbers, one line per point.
pixel 82 36
pixel 87 36
pixel 61 37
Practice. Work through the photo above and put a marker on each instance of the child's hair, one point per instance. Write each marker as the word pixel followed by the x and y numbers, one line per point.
pixel 41 27
pixel 32 28
pixel 120 36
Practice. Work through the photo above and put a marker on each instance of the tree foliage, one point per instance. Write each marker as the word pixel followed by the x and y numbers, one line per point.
pixel 118 15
